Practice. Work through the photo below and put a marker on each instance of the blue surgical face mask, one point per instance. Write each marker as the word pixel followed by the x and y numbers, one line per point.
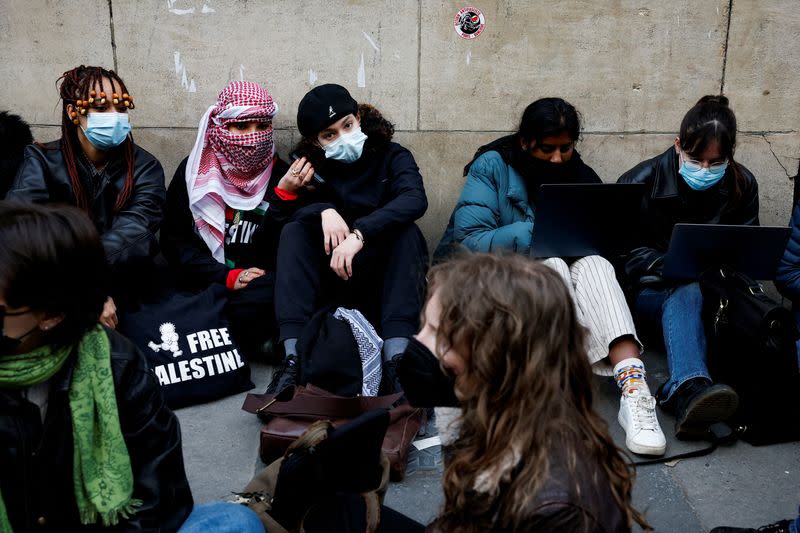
pixel 699 178
pixel 107 130
pixel 347 148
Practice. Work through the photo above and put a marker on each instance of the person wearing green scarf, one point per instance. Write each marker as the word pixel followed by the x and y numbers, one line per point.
pixel 102 468
pixel 86 440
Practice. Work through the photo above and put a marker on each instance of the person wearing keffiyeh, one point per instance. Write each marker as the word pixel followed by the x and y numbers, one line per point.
pixel 225 207
pixel 86 440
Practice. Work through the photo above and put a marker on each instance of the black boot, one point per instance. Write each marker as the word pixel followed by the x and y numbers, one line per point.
pixel 697 404
pixel 285 376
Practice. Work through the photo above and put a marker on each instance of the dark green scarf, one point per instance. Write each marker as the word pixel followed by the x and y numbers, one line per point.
pixel 102 473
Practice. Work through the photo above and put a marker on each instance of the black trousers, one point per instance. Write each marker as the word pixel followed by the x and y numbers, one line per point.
pixel 250 312
pixel 387 283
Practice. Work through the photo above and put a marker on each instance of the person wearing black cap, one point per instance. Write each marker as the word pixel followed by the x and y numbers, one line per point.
pixel 354 242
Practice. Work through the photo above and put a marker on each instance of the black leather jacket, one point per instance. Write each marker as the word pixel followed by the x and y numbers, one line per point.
pixel 129 236
pixel 577 500
pixel 563 505
pixel 36 460
pixel 668 200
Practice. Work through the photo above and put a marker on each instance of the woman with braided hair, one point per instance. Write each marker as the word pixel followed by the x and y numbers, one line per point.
pixel 96 166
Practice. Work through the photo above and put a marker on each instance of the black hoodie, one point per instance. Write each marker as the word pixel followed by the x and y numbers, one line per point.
pixel 377 193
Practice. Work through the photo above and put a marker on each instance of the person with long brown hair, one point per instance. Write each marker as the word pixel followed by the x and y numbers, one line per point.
pixel 531 453
pixel 96 166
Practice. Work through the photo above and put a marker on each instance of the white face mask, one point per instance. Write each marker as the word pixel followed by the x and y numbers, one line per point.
pixel 348 147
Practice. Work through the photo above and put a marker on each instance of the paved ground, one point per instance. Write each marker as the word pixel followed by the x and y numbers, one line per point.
pixel 736 485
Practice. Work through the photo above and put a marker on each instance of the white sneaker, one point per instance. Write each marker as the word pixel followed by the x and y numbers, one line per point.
pixel 637 416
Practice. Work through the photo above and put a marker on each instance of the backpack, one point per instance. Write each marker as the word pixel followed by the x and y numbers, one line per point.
pixel 341 353
pixel 328 356
pixel 746 332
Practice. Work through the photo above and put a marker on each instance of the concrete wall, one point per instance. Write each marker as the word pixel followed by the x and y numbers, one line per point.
pixel 632 68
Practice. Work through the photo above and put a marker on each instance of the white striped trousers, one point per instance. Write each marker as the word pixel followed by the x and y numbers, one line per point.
pixel 600 305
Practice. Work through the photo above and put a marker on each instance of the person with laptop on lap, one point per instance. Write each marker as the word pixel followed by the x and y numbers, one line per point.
pixel 495 213
pixel 696 180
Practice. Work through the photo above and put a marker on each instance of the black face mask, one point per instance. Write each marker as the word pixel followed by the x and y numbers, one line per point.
pixel 423 380
pixel 9 345
pixel 538 171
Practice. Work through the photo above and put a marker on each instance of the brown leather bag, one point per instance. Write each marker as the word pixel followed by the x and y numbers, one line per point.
pixel 286 420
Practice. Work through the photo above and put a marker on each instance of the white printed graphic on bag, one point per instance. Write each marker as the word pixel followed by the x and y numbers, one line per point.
pixel 169 340
pixel 212 353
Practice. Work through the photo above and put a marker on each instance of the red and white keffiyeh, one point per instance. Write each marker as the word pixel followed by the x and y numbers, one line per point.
pixel 225 169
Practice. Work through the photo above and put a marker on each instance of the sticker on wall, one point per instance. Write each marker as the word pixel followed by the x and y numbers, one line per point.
pixel 469 22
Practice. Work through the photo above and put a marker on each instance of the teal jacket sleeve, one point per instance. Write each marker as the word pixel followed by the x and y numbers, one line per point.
pixel 477 218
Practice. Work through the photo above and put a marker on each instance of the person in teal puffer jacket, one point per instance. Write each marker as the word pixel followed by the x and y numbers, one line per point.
pixel 496 186
pixel 496 208
pixel 496 212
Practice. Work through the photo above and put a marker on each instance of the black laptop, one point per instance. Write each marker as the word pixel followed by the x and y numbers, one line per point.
pixel 751 250
pixel 576 220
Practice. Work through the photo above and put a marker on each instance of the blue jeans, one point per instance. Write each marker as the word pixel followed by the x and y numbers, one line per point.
pixel 794 527
pixel 677 312
pixel 222 517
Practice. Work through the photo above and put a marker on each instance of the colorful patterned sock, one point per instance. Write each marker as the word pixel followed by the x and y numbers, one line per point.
pixel 629 375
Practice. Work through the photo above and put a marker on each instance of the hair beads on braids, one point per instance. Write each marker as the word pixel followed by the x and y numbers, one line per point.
pixel 75 85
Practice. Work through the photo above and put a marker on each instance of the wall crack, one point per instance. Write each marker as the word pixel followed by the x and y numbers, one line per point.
pixel 419 64
pixel 113 39
pixel 769 144
pixel 724 50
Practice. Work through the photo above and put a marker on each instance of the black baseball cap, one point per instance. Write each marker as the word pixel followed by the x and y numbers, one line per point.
pixel 322 106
